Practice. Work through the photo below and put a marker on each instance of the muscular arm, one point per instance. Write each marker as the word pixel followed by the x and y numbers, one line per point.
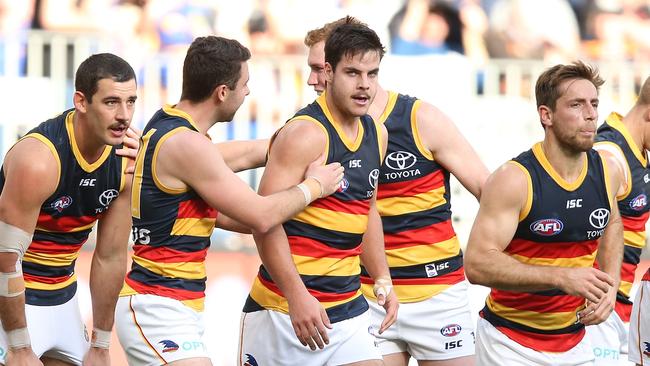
pixel 244 155
pixel 504 197
pixel 450 148
pixel 31 176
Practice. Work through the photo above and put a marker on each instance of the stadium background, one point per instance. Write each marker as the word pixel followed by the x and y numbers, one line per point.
pixel 481 73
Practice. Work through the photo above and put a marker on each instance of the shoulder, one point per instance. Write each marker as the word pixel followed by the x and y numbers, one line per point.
pixel 33 164
pixel 300 136
pixel 510 182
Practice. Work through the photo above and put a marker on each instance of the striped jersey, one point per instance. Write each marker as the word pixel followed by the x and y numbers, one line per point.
pixel 325 238
pixel 413 199
pixel 83 195
pixel 560 226
pixel 633 204
pixel 171 227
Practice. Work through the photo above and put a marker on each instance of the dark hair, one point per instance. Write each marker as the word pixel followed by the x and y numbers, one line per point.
pixel 351 39
pixel 320 34
pixel 547 88
pixel 98 67
pixel 211 61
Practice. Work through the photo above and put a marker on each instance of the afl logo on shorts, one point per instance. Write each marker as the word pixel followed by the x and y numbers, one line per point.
pixel 343 186
pixel 249 360
pixel 169 346
pixel 62 203
pixel 400 160
pixel 639 202
pixel 547 227
pixel 450 330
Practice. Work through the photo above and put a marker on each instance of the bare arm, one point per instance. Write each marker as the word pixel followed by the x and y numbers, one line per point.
pixel 294 147
pixel 450 148
pixel 31 176
pixel 504 197
pixel 244 155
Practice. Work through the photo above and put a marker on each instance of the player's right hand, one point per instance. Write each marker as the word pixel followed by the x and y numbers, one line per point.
pixel 22 357
pixel 329 176
pixel 309 321
pixel 590 283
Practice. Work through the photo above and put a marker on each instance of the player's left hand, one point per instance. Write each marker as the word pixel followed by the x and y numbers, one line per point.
pixel 391 304
pixel 131 144
pixel 597 312
pixel 97 357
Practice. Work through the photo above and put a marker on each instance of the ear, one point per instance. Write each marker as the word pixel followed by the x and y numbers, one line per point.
pixel 329 72
pixel 220 93
pixel 80 101
pixel 545 115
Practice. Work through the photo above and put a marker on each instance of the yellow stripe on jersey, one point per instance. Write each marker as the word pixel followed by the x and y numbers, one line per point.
pixel 542 321
pixel 582 261
pixel 50 286
pixel 327 266
pixel 416 132
pixel 625 287
pixel 196 304
pixel 87 167
pixel 538 151
pixel 608 145
pixel 394 206
pixel 185 270
pixel 51 260
pixel 136 189
pixel 50 146
pixel 74 230
pixel 127 290
pixel 392 100
pixel 194 227
pixel 421 254
pixel 154 174
pixel 529 197
pixel 272 301
pixel 634 238
pixel 408 293
pixel 333 220
pixel 352 145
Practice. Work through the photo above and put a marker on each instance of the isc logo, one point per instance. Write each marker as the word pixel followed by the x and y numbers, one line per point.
pixel 547 227
pixel 87 182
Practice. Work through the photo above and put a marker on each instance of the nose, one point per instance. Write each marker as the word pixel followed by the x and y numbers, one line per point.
pixel 364 82
pixel 313 78
pixel 591 113
pixel 122 114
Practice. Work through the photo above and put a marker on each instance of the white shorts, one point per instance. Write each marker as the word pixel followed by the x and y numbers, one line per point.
pixel 639 350
pixel 495 348
pixel 55 331
pixel 439 328
pixel 267 338
pixel 155 330
pixel 609 341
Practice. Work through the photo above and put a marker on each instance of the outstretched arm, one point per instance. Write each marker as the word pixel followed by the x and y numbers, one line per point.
pixel 244 155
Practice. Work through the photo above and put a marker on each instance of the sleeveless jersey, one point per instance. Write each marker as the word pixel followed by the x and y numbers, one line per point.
pixel 413 199
pixel 325 238
pixel 633 205
pixel 171 227
pixel 83 195
pixel 560 226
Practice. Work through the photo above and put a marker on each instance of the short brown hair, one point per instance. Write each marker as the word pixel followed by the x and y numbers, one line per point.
pixel 547 88
pixel 320 34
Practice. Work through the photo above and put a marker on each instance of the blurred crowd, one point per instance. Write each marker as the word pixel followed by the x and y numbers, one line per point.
pixel 553 30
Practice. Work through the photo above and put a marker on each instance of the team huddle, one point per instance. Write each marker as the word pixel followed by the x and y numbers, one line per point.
pixel 360 262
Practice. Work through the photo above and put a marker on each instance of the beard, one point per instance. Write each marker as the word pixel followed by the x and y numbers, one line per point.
pixel 573 142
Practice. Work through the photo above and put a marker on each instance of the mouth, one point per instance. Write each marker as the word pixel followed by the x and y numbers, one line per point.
pixel 118 130
pixel 361 99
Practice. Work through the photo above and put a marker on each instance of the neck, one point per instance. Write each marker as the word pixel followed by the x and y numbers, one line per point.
pixel 202 114
pixel 568 163
pixel 89 147
pixel 635 122
pixel 378 105
pixel 347 122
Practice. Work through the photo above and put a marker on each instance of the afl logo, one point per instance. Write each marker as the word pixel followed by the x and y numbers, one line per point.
pixel 343 186
pixel 599 218
pixel 639 202
pixel 61 203
pixel 373 177
pixel 450 330
pixel 400 160
pixel 108 196
pixel 547 227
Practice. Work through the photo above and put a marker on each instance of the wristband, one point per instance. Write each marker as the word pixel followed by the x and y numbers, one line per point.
pixel 100 339
pixel 18 338
pixel 305 192
pixel 383 286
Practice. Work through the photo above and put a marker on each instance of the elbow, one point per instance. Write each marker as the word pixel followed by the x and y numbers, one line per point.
pixel 262 225
pixel 472 270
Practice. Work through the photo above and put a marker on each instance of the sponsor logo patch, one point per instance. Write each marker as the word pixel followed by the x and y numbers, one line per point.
pixel 450 330
pixel 547 227
pixel 62 203
pixel 639 202
pixel 599 218
pixel 169 346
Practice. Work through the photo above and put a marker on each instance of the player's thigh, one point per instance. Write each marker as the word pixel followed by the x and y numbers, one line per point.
pixel 397 359
pixel 459 361
pixel 366 363
pixel 198 361
pixel 49 361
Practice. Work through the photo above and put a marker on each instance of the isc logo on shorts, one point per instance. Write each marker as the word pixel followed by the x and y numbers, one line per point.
pixel 450 330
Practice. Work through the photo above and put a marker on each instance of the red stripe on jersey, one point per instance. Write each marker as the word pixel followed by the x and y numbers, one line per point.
pixel 356 207
pixel 43 279
pixel 159 290
pixel 624 311
pixel 531 249
pixel 627 271
pixel 451 278
pixel 646 276
pixel 537 303
pixel 544 342
pixel 320 296
pixel 49 247
pixel 313 248
pixel 412 187
pixel 63 223
pixel 435 233
pixel 631 223
pixel 168 255
pixel 195 208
